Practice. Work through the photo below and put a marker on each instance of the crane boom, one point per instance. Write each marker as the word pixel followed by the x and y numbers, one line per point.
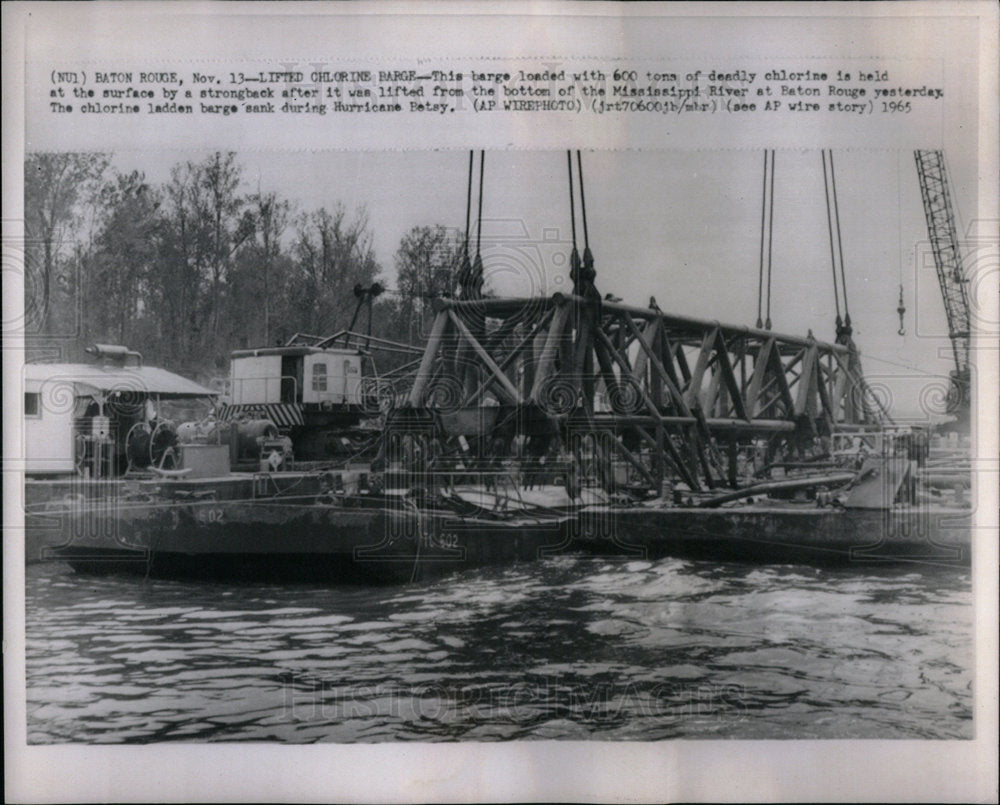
pixel 948 262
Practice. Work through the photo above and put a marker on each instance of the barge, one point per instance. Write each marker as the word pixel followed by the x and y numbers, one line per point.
pixel 335 527
pixel 525 428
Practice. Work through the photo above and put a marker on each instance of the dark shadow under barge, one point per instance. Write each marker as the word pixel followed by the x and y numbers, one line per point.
pixel 391 540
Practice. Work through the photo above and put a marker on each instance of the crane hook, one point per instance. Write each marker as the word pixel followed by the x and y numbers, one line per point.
pixel 901 310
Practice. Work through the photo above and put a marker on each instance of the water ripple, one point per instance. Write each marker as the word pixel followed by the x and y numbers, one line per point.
pixel 562 649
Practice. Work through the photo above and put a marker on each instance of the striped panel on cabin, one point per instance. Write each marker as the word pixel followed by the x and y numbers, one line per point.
pixel 284 415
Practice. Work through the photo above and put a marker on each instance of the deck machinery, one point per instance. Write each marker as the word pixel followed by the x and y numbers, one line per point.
pixel 324 392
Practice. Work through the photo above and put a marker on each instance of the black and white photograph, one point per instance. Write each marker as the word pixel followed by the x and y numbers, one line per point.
pixel 525 441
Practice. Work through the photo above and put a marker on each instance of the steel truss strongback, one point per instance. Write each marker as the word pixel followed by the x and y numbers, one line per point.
pixel 666 397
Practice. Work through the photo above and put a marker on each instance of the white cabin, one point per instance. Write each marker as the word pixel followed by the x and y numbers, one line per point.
pixel 49 439
pixel 70 407
pixel 302 375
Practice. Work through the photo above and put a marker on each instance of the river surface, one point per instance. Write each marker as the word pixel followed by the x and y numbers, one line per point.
pixel 567 648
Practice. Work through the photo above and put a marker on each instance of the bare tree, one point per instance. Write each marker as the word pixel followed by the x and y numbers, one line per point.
pixel 230 222
pixel 55 187
pixel 333 254
pixel 427 264
pixel 260 273
pixel 123 255
pixel 206 223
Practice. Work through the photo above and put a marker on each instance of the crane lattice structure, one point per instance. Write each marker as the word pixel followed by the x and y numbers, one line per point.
pixel 948 262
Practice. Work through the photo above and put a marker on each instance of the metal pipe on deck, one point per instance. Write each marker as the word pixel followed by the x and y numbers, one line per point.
pixel 714 423
pixel 836 479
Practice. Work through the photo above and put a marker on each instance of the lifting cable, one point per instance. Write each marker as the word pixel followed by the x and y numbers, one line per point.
pixel 901 310
pixel 760 268
pixel 476 279
pixel 901 305
pixel 770 237
pixel 574 259
pixel 588 257
pixel 468 204
pixel 766 225
pixel 466 268
pixel 479 221
pixel 840 247
pixel 581 272
pixel 583 203
pixel 470 277
pixel 833 256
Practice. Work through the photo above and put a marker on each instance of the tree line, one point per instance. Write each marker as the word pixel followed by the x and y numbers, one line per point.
pixel 188 270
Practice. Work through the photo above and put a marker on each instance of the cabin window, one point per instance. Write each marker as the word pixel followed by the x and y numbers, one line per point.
pixel 319 377
pixel 32 404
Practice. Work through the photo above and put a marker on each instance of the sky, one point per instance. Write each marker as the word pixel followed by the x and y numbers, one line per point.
pixel 683 226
